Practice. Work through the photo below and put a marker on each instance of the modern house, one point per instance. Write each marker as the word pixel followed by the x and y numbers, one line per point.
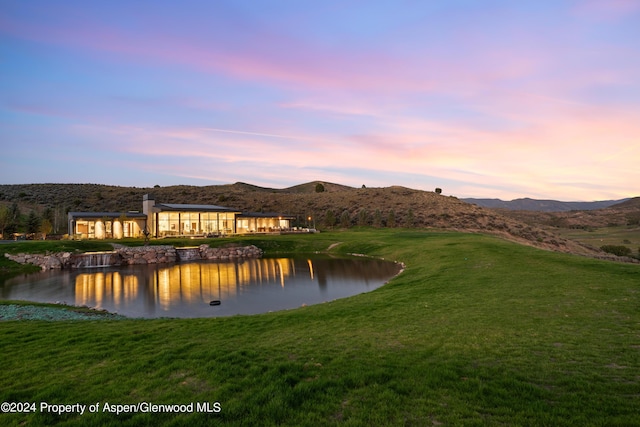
pixel 106 225
pixel 170 220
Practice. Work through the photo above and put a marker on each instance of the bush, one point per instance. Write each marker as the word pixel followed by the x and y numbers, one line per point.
pixel 330 219
pixel 345 219
pixel 618 250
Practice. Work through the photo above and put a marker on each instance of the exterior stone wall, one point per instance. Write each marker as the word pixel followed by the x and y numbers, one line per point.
pixel 251 251
pixel 125 255
pixel 147 254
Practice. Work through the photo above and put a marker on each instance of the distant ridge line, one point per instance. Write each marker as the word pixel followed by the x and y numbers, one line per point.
pixel 527 204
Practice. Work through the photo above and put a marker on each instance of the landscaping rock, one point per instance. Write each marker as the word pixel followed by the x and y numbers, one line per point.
pixel 124 255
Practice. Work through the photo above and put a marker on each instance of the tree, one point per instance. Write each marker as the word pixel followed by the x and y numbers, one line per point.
pixel 13 222
pixel 345 219
pixel 319 188
pixel 438 190
pixel 330 219
pixel 45 228
pixel 33 222
pixel 49 214
pixel 4 219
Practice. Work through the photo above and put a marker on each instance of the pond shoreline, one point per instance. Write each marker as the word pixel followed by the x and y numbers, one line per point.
pixel 186 290
pixel 130 255
pixel 23 312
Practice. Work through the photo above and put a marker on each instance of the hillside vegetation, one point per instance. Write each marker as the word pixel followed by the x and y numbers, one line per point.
pixel 337 206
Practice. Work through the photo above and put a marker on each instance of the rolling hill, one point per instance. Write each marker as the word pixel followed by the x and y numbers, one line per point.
pixel 527 204
pixel 389 206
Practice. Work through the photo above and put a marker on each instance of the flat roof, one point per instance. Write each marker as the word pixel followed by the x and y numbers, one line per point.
pixel 106 214
pixel 193 208
pixel 265 215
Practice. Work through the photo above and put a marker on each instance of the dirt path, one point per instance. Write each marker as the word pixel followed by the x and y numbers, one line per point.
pixel 333 245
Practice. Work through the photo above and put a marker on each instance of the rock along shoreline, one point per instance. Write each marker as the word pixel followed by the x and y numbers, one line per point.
pixel 130 255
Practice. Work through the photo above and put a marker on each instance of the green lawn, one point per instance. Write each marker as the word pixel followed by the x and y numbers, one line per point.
pixel 475 331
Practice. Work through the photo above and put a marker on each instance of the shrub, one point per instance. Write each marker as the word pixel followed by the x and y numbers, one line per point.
pixel 330 219
pixel 391 219
pixel 363 217
pixel 618 250
pixel 345 219
pixel 377 219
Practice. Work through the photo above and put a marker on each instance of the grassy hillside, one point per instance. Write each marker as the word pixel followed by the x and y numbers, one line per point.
pixel 621 214
pixel 475 331
pixel 384 207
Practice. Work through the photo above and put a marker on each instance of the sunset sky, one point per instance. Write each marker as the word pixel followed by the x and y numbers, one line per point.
pixel 501 99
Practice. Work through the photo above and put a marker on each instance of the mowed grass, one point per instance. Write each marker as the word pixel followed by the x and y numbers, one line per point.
pixel 475 331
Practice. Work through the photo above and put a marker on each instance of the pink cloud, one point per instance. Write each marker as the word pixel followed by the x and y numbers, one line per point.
pixel 283 59
pixel 548 158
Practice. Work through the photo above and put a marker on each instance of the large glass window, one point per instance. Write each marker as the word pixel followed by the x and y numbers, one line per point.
pixel 209 221
pixel 185 223
pixel 168 224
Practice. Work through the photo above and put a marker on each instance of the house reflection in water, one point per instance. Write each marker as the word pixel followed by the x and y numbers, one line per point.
pixel 177 284
pixel 245 287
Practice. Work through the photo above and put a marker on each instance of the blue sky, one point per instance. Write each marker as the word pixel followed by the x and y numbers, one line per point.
pixel 483 99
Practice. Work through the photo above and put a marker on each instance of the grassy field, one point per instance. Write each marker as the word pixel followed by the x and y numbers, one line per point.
pixel 621 235
pixel 475 331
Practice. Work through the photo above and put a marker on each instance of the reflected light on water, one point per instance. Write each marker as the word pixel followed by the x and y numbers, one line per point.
pixel 180 283
pixel 95 288
pixel 186 289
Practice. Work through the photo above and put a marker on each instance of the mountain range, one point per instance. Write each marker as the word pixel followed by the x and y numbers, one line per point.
pixel 527 204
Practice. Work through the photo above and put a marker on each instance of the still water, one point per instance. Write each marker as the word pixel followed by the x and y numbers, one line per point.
pixel 186 289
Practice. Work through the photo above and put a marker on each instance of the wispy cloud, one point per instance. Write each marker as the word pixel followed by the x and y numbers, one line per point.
pixel 517 99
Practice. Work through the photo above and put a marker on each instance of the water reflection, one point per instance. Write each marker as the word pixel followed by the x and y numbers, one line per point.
pixel 185 289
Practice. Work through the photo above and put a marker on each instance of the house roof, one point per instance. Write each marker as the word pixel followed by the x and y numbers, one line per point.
pixel 265 215
pixel 106 215
pixel 193 208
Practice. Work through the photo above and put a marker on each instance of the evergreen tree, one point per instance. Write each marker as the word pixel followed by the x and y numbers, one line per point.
pixel 319 188
pixel 33 223
pixel 4 220
pixel 13 223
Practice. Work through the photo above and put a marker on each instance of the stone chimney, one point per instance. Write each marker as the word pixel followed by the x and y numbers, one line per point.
pixel 148 202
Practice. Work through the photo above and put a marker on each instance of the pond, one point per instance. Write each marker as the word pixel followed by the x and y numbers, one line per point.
pixel 187 289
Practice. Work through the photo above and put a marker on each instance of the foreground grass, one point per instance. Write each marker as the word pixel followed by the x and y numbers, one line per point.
pixel 476 331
